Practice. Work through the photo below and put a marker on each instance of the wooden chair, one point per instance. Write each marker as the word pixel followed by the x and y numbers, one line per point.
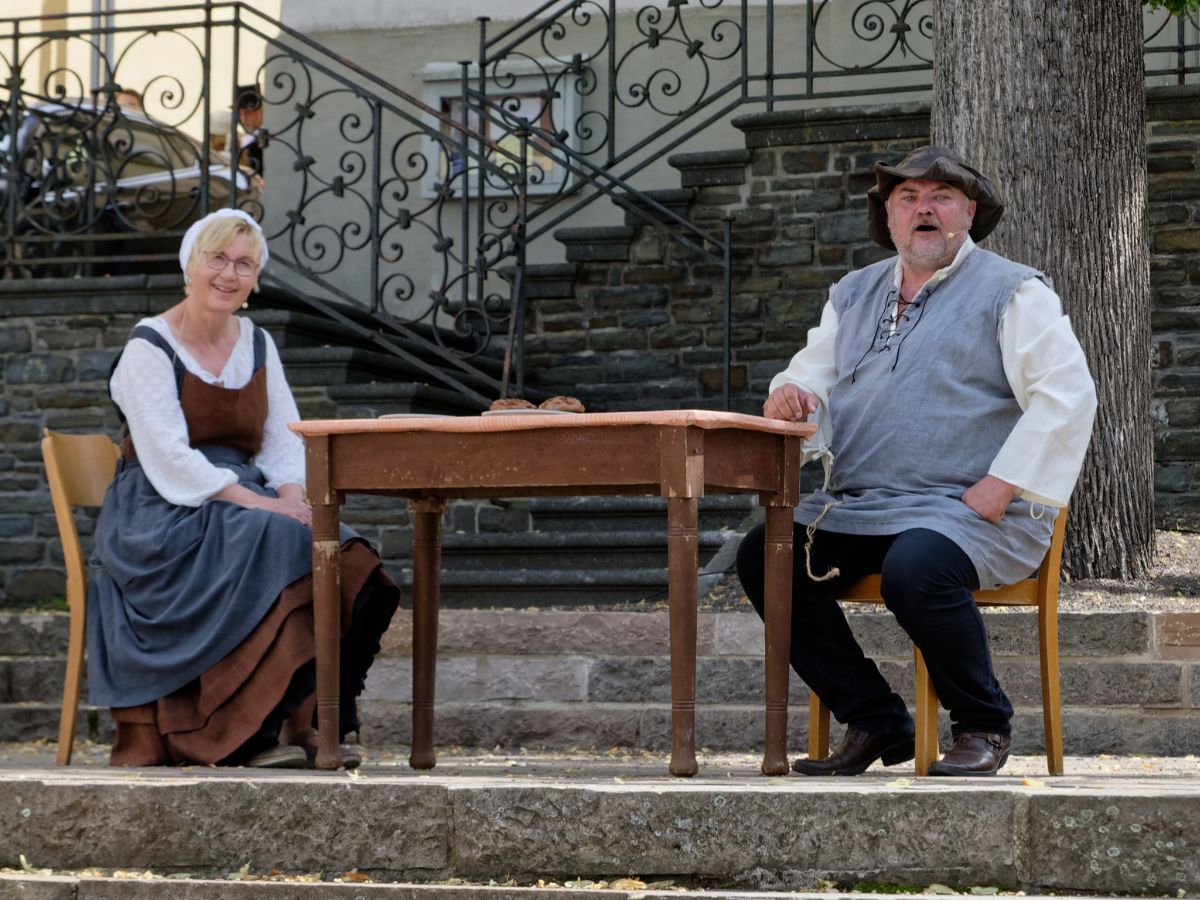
pixel 1040 591
pixel 79 468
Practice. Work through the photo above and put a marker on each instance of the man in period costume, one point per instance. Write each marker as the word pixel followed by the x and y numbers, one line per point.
pixel 954 407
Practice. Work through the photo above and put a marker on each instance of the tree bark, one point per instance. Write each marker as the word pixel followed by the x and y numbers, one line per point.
pixel 1047 99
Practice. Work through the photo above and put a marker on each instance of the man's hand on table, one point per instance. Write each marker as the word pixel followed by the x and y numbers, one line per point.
pixel 791 404
pixel 989 497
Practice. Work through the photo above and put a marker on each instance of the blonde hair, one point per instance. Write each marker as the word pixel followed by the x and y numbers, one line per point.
pixel 220 233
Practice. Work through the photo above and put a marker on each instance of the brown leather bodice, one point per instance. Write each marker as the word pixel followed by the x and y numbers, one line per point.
pixel 220 416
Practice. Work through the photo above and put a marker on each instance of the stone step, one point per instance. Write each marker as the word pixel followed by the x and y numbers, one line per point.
pixel 600 243
pixel 546 281
pixel 31 678
pixel 1110 830
pixel 38 721
pixel 566 550
pixel 368 400
pixel 348 365
pixel 520 588
pixel 288 887
pixel 637 209
pixel 633 513
pixel 709 168
pixel 297 328
pixel 739 727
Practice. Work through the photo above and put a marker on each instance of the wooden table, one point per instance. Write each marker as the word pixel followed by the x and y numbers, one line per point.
pixel 678 455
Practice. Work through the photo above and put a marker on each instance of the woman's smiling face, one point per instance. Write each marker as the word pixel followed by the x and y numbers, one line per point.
pixel 214 277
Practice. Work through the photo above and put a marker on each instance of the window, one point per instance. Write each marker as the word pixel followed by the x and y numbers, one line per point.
pixel 523 95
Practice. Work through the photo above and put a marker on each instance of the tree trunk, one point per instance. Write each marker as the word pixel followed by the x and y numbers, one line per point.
pixel 1047 99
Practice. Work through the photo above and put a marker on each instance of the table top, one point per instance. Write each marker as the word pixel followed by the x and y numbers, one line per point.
pixel 537 420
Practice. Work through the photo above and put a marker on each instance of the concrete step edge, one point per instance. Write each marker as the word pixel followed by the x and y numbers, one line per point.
pixel 67 886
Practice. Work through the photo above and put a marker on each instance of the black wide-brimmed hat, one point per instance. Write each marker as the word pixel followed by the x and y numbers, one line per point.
pixel 933 164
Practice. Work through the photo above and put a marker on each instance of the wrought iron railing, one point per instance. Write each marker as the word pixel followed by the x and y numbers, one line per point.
pixel 405 221
pixel 650 81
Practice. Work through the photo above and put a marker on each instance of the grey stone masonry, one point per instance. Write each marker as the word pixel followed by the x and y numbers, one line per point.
pixel 561 679
pixel 646 329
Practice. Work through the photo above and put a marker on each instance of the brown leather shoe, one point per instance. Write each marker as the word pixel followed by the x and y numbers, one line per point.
pixel 974 753
pixel 857 751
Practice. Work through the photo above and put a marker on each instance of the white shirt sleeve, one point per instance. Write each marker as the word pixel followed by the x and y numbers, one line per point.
pixel 281 457
pixel 143 385
pixel 1049 376
pixel 814 369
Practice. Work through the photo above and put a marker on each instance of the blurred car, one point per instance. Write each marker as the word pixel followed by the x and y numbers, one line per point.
pixel 107 189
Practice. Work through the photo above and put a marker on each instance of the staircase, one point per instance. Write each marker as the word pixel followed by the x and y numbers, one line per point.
pixel 583 551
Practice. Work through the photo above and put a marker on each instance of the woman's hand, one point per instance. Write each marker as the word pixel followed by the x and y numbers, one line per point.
pixel 290 502
pixel 293 508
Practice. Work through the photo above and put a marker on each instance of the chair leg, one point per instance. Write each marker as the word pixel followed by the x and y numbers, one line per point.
pixel 818 727
pixel 1051 699
pixel 927 716
pixel 70 704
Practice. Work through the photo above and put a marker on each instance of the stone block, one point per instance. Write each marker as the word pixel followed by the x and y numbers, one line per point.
pixel 36 634
pixel 629 297
pixel 1178 635
pixel 673 337
pixel 648 679
pixel 26 679
pixel 32 585
pixel 625 366
pixel 514 632
pixel 532 726
pixel 204 824
pixel 39 368
pixel 20 552
pixel 805 160
pixel 1122 684
pixel 592 831
pixel 1172 479
pixel 15 340
pixel 1115 844
pixel 484 679
pixel 819 201
pixel 786 255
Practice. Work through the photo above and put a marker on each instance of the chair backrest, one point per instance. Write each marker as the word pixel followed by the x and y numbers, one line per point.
pixel 1037 590
pixel 79 468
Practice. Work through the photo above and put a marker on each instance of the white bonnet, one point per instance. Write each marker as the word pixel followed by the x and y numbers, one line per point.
pixel 189 237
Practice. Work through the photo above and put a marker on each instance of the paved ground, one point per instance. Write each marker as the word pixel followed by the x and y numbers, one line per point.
pixel 642 766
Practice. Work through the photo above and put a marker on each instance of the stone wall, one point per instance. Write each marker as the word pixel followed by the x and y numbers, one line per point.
pixel 644 323
pixel 57 341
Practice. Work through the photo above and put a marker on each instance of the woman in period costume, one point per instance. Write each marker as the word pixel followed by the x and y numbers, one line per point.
pixel 200 619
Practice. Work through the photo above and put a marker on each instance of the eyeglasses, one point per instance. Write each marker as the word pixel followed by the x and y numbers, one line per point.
pixel 244 267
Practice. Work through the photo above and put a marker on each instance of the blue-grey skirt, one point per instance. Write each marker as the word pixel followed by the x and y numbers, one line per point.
pixel 172 590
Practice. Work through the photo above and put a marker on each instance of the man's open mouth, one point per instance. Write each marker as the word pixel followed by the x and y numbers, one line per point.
pixel 926 228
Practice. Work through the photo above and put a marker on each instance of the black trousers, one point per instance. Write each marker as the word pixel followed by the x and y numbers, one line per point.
pixel 926 582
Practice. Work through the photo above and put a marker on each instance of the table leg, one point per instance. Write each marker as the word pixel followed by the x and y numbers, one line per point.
pixel 327 615
pixel 683 559
pixel 777 564
pixel 427 565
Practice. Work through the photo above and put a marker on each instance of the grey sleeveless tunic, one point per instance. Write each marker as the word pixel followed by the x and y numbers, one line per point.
pixel 920 413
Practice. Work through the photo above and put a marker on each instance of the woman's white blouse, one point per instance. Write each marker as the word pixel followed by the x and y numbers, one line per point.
pixel 143 385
